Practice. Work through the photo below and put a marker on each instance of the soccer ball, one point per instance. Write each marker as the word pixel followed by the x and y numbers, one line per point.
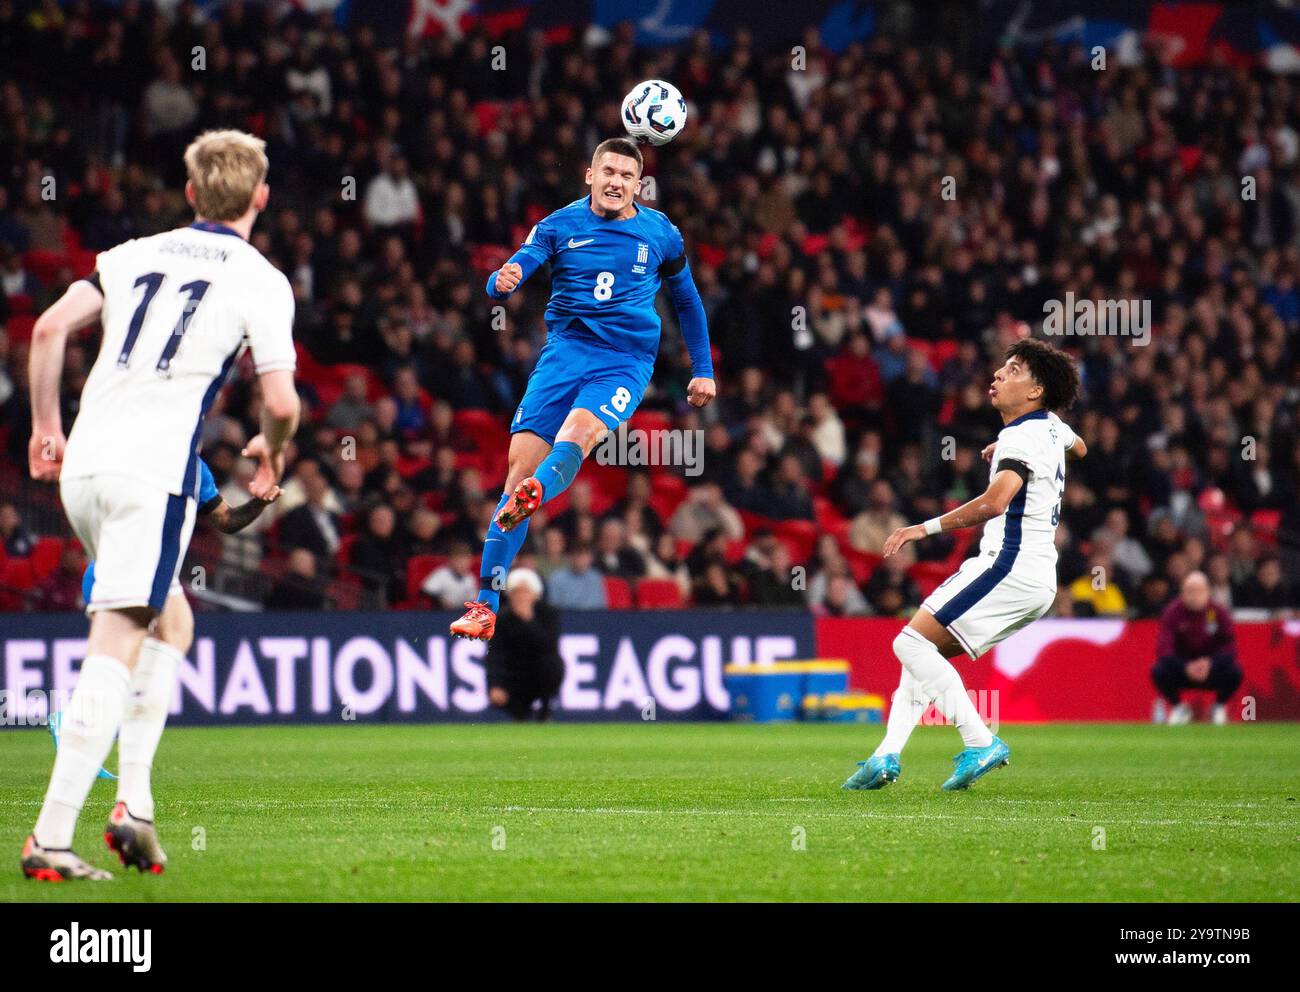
pixel 654 111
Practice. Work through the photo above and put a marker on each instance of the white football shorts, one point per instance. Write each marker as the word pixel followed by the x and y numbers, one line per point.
pixel 983 603
pixel 135 533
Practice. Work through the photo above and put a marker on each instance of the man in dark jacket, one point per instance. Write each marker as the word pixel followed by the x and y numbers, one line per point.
pixel 523 659
pixel 1196 649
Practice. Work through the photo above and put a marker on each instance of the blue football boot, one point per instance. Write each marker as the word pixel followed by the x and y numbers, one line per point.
pixel 55 723
pixel 976 762
pixel 874 773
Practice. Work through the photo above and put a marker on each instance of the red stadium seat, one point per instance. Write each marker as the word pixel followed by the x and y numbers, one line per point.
pixel 344 554
pixel 861 563
pixel 45 556
pixel 1266 522
pixel 16 579
pixel 418 568
pixel 21 303
pixel 19 327
pixel 929 574
pixel 800 536
pixel 666 494
pixel 658 594
pixel 650 420
pixel 755 522
pixel 618 594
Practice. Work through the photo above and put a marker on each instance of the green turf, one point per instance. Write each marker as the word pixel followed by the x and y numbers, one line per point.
pixel 692 812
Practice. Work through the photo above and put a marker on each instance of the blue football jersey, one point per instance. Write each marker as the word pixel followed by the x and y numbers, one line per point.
pixel 605 273
pixel 207 485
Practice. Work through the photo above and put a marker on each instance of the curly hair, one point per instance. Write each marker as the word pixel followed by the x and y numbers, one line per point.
pixel 1052 369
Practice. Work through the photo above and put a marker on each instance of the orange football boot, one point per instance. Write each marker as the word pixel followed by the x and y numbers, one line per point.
pixel 521 505
pixel 479 624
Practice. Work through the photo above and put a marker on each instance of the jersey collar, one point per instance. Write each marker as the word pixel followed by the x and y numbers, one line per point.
pixel 214 228
pixel 1032 415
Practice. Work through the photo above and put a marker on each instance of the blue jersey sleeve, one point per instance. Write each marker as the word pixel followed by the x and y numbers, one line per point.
pixel 535 252
pixel 676 274
pixel 208 494
pixel 87 582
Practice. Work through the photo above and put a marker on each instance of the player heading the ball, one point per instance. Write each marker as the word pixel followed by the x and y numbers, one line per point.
pixel 608 258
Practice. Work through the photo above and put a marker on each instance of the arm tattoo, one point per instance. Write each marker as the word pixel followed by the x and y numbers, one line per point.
pixel 231 519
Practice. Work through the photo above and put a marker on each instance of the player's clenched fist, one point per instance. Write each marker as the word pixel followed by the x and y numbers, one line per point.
pixel 45 455
pixel 508 277
pixel 699 392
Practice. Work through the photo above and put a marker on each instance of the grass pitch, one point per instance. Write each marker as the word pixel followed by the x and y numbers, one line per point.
pixel 690 812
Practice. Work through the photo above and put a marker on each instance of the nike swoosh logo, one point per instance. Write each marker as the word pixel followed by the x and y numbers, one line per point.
pixel 579 244
pixel 985 760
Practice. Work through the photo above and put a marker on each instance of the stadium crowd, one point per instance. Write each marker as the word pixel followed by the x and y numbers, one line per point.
pixel 869 230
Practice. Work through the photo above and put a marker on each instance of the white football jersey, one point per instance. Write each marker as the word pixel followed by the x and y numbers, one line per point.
pixel 1024 537
pixel 179 307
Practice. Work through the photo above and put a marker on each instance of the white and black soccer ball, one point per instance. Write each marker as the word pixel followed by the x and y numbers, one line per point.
pixel 654 111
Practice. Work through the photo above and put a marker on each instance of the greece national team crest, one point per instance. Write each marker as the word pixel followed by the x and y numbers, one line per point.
pixel 642 257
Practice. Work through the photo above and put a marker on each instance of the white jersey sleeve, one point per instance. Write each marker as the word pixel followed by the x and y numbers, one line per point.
pixel 269 326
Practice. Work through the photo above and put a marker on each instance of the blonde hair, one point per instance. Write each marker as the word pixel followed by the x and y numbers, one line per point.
pixel 225 168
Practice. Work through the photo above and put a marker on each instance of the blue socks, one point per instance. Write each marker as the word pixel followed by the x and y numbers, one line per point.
pixel 499 550
pixel 559 469
pixel 556 473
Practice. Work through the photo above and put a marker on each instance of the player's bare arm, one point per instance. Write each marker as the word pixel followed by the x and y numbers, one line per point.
pixel 232 519
pixel 78 307
pixel 993 502
pixel 280 411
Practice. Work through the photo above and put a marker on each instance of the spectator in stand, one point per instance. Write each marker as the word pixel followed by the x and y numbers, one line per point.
pixel 665 562
pixel 718 585
pixel 776 584
pixel 15 280
pixel 61 590
pixel 790 497
pixel 456 581
pixel 705 510
pixel 577 586
pixel 17 540
pixel 351 409
pixel 842 599
pixel 1128 555
pixel 377 556
pixel 554 546
pixel 872 527
pixel 1267 590
pixel 579 508
pixel 745 490
pixel 1196 649
pixel 392 201
pixel 1097 592
pixel 827 430
pixel 614 557
pixel 524 667
pixel 890 590
pixel 637 501
pixel 300 587
pixel 312 525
